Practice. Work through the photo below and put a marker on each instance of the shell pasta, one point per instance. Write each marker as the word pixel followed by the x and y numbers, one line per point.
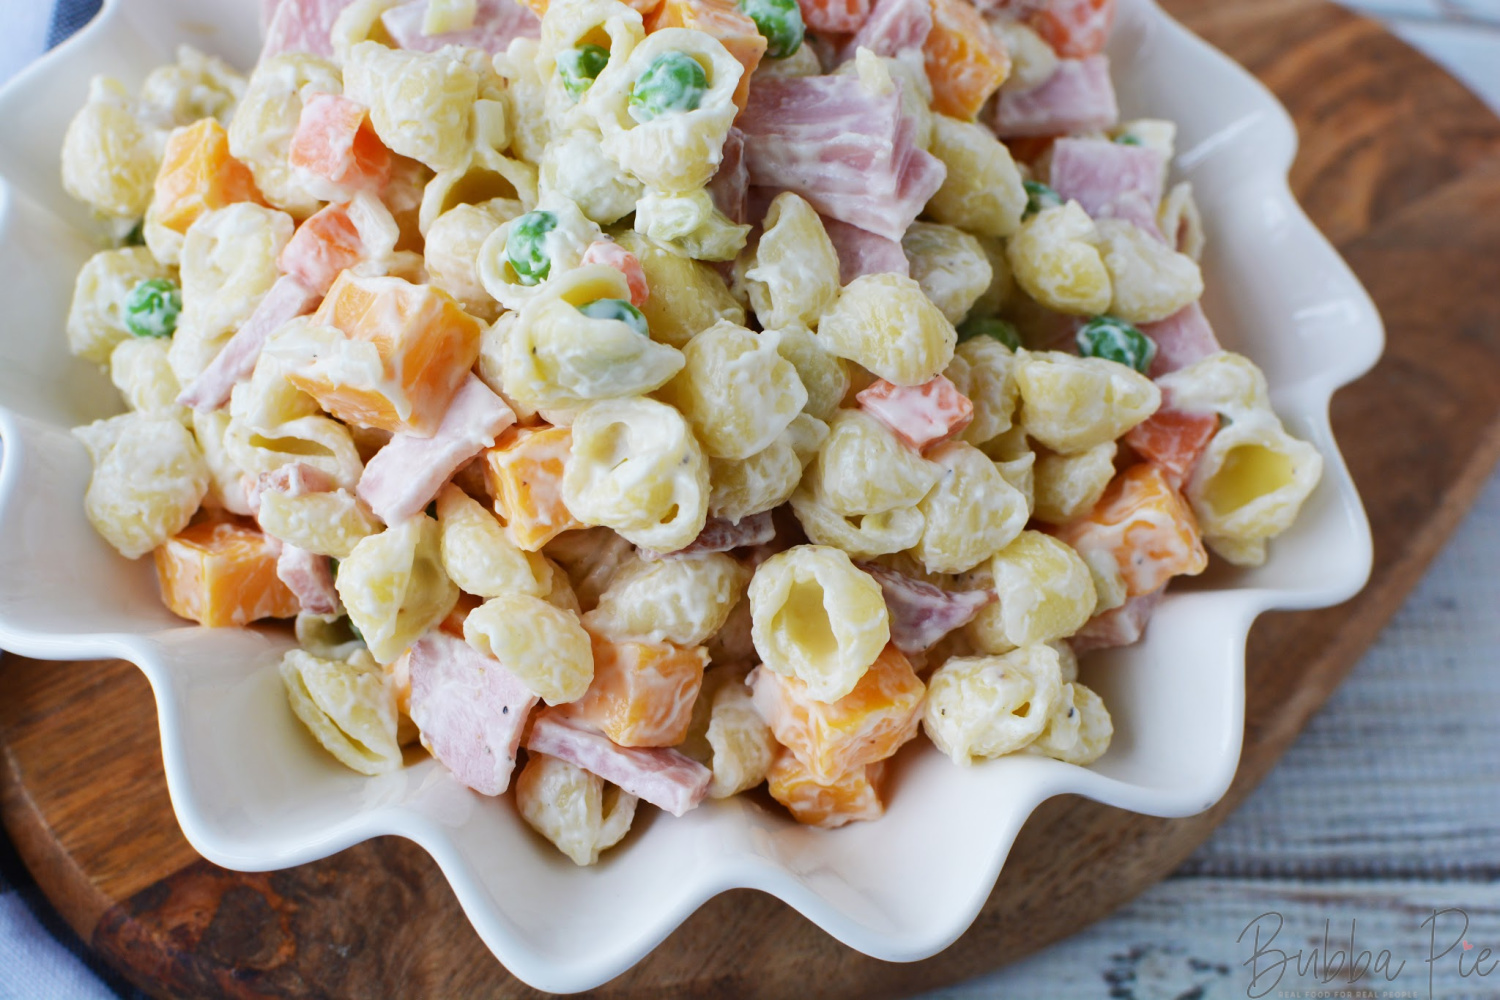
pixel 637 404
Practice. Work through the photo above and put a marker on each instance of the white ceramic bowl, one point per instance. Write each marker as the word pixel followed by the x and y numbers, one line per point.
pixel 252 790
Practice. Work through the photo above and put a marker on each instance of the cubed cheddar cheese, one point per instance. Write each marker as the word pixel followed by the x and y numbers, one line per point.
pixel 724 21
pixel 524 473
pixel 426 344
pixel 643 692
pixel 853 795
pixel 221 573
pixel 198 175
pixel 1146 526
pixel 965 61
pixel 335 141
pixel 868 724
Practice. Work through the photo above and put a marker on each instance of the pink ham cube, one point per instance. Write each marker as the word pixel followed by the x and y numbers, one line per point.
pixel 470 710
pixel 405 475
pixel 921 415
pixel 893 27
pixel 1099 174
pixel 310 578
pixel 1181 339
pixel 659 775
pixel 721 535
pixel 611 254
pixel 922 613
pixel 287 299
pixel 1122 626
pixel 862 252
pixel 496 24
pixel 1079 97
pixel 302 26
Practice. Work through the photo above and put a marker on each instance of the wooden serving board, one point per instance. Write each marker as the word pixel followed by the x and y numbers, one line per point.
pixel 1399 165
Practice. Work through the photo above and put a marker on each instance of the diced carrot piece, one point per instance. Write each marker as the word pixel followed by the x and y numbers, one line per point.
pixel 221 573
pixel 611 254
pixel 1172 440
pixel 724 21
pixel 643 692
pixel 1076 29
pixel 921 415
pixel 335 141
pixel 426 344
pixel 1146 525
pixel 837 17
pixel 524 472
pixel 853 795
pixel 326 244
pixel 868 724
pixel 965 61
pixel 198 175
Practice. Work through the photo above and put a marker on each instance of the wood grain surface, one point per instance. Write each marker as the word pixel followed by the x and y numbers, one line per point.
pixel 1399 165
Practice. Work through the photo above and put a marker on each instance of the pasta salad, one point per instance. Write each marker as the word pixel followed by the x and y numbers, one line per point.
pixel 664 399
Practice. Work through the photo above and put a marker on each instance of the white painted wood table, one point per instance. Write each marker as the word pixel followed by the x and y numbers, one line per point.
pixel 1385 811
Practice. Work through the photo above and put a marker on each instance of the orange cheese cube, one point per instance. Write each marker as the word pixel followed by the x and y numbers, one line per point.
pixel 643 692
pixel 220 573
pixel 830 738
pixel 454 623
pixel 853 795
pixel 965 61
pixel 426 344
pixel 198 175
pixel 1146 526
pixel 724 21
pixel 524 473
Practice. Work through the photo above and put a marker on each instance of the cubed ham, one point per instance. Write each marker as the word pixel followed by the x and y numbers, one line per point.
pixel 1078 98
pixel 1172 440
pixel 721 535
pixel 852 154
pixel 1122 626
pixel 295 479
pixel 267 13
pixel 405 475
pixel 302 26
pixel 834 17
pixel 660 775
pixel 335 149
pixel 922 613
pixel 287 299
pixel 496 24
pixel 862 252
pixel 1098 174
pixel 893 27
pixel 470 710
pixel 730 185
pixel 611 254
pixel 310 578
pixel 921 415
pixel 1181 339
pixel 1075 28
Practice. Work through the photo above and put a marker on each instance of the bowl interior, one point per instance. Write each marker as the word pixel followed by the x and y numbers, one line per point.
pixel 253 791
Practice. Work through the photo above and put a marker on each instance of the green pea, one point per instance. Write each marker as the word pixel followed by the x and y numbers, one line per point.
pixel 780 21
pixel 580 66
pixel 1039 197
pixel 152 307
pixel 524 249
pixel 1002 330
pixel 673 82
pixel 1126 139
pixel 616 309
pixel 1116 340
